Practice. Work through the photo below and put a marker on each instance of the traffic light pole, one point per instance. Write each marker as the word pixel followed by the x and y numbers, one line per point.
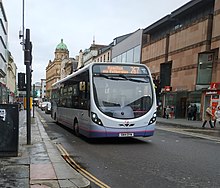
pixel 33 98
pixel 27 61
pixel 28 110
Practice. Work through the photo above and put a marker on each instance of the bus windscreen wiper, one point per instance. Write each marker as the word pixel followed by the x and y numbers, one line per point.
pixel 102 75
pixel 107 77
pixel 122 76
pixel 132 79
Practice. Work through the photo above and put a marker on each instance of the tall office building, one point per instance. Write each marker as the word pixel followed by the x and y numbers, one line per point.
pixel 3 54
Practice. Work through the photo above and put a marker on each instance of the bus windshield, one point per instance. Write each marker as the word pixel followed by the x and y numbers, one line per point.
pixel 123 96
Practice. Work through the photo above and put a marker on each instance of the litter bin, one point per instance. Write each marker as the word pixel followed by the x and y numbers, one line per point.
pixel 9 130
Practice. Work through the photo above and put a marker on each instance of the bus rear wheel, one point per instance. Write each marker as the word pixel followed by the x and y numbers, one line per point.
pixel 76 129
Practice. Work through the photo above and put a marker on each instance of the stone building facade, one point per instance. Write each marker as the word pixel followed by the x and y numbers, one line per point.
pixel 43 89
pixel 11 78
pixel 104 54
pixel 90 54
pixel 182 52
pixel 68 66
pixel 53 69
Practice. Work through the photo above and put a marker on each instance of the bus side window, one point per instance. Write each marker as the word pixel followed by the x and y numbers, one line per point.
pixel 83 94
pixel 74 96
pixel 69 97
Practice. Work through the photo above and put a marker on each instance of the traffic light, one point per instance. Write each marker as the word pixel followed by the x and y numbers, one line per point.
pixel 28 53
pixel 28 48
pixel 21 81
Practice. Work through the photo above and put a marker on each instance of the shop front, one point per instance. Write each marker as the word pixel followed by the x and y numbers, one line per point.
pixel 210 98
pixel 179 102
pixel 176 101
pixel 3 93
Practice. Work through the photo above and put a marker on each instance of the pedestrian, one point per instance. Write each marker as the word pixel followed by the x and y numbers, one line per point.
pixel 217 115
pixel 189 112
pixel 208 117
pixel 172 112
pixel 194 111
pixel 167 112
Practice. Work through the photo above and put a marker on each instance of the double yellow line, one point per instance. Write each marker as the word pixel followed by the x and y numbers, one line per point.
pixel 79 169
pixel 74 165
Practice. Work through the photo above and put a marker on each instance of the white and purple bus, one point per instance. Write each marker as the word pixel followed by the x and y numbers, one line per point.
pixel 106 100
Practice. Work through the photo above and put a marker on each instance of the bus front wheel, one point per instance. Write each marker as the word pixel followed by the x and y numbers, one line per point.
pixel 76 129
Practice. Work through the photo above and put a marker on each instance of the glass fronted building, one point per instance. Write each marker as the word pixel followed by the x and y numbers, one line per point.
pixel 129 49
pixel 3 53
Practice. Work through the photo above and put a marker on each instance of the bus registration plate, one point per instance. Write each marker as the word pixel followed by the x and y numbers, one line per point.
pixel 126 134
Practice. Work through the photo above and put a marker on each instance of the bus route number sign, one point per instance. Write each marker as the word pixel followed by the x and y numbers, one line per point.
pixel 121 70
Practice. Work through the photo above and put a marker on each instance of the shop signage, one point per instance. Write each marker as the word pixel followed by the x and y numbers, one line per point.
pixel 215 85
pixel 212 93
pixel 167 88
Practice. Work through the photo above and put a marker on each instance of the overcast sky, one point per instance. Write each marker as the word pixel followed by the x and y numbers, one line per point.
pixel 76 22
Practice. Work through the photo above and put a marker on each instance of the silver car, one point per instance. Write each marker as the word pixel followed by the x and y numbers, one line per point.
pixel 48 108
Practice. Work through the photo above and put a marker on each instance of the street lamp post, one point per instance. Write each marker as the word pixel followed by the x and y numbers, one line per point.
pixel 27 48
pixel 23 23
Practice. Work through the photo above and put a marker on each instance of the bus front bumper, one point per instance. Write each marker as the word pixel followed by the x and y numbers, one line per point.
pixel 100 132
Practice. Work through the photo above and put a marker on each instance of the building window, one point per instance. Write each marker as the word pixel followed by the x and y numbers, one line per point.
pixel 123 57
pixel 205 62
pixel 104 58
pixel 108 56
pixel 130 56
pixel 137 52
pixel 119 58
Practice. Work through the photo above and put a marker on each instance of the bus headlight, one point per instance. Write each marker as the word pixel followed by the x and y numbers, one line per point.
pixel 153 119
pixel 95 119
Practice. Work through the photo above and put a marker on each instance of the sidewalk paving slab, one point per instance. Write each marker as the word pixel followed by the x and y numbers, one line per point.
pixel 185 123
pixel 39 164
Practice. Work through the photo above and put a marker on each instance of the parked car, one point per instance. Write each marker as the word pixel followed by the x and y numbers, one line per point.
pixel 48 108
pixel 43 105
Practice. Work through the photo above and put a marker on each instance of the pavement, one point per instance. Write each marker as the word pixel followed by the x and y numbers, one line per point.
pixel 184 123
pixel 41 164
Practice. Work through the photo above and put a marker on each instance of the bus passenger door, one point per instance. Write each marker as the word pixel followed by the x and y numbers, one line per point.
pixel 84 104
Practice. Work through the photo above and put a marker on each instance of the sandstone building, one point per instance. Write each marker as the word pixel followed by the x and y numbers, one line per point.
pixel 53 69
pixel 182 51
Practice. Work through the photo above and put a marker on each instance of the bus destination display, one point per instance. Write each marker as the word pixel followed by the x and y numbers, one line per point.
pixel 118 69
